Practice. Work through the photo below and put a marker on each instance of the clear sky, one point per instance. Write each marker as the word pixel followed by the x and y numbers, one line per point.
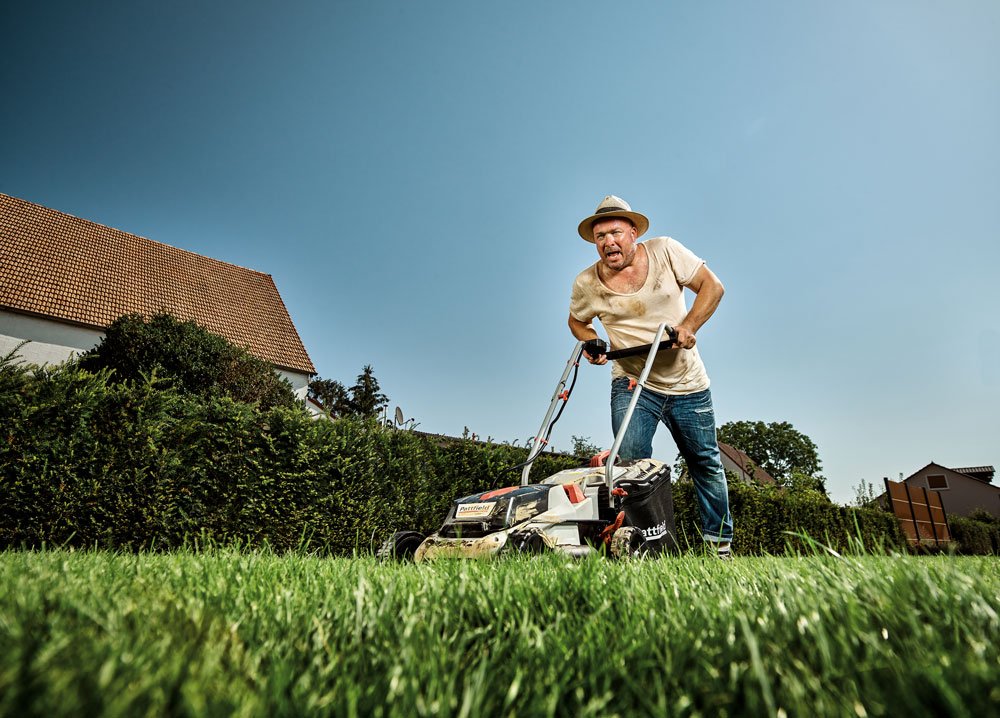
pixel 412 174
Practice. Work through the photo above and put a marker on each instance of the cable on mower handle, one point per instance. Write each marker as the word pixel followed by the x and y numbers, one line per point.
pixel 596 347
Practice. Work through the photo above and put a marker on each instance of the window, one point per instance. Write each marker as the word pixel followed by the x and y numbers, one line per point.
pixel 937 482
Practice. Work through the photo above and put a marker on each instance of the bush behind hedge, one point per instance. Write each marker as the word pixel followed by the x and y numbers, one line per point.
pixel 189 356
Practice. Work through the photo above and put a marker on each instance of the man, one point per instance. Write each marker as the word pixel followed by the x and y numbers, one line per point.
pixel 632 289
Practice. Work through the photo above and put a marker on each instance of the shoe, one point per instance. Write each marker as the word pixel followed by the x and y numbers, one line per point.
pixel 723 551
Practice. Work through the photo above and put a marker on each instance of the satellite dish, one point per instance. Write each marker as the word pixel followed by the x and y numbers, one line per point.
pixel 399 416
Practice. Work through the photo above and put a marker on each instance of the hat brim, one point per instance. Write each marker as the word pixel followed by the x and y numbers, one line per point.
pixel 586 226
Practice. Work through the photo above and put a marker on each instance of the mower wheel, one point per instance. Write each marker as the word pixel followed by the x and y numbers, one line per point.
pixel 530 541
pixel 401 546
pixel 627 542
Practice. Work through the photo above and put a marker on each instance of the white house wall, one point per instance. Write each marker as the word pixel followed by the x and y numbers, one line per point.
pixel 48 342
pixel 299 382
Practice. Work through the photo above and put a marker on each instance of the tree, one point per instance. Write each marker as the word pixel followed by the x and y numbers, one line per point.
pixel 365 398
pixel 190 357
pixel 788 455
pixel 584 449
pixel 332 395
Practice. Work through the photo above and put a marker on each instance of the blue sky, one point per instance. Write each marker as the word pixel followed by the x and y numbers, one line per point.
pixel 412 175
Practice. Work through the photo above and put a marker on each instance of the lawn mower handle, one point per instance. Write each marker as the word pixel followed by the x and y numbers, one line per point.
pixel 652 349
pixel 596 347
pixel 562 395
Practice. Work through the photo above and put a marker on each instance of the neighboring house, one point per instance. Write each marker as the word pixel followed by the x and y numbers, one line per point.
pixel 743 466
pixel 64 280
pixel 962 491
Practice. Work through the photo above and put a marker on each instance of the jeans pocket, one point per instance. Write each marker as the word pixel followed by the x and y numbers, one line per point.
pixel 704 414
pixel 619 386
pixel 706 419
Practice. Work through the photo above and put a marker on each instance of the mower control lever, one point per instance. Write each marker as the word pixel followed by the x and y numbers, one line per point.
pixel 596 347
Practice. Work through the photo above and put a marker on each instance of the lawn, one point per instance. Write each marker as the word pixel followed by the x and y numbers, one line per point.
pixel 237 633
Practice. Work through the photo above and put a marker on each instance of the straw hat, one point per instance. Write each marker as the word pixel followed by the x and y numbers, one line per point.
pixel 609 208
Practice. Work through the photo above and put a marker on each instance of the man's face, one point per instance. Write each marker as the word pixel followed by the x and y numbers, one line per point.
pixel 615 240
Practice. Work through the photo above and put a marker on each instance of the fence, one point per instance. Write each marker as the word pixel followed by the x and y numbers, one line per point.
pixel 920 513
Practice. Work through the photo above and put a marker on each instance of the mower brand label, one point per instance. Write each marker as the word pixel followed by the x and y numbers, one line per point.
pixel 655 532
pixel 475 511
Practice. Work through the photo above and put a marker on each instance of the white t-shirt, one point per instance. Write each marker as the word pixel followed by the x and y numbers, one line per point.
pixel 632 319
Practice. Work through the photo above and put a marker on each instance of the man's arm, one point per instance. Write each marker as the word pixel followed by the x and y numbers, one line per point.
pixel 708 293
pixel 585 332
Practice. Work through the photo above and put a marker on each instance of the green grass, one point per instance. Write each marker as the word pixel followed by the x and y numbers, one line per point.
pixel 227 633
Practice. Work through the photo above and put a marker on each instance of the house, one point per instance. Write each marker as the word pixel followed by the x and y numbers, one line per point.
pixel 743 466
pixel 962 491
pixel 64 280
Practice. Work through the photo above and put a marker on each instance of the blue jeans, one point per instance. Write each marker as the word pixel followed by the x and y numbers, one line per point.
pixel 691 420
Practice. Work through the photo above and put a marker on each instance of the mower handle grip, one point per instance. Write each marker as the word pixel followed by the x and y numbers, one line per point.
pixel 596 347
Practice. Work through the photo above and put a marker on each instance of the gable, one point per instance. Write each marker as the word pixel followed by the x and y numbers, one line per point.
pixel 57 266
pixel 951 477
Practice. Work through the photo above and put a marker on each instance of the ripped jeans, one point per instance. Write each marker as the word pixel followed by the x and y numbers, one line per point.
pixel 691 420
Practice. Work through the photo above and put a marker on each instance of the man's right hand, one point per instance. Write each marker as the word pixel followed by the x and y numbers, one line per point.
pixel 594 353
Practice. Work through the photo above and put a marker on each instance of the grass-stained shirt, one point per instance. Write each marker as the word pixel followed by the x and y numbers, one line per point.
pixel 632 319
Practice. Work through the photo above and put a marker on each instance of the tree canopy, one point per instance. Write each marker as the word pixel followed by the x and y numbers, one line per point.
pixel 788 455
pixel 583 448
pixel 365 398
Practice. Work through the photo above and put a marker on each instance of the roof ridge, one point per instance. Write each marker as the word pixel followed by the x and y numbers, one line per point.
pixel 132 234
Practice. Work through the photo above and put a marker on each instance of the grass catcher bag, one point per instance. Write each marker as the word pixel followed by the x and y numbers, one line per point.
pixel 649 506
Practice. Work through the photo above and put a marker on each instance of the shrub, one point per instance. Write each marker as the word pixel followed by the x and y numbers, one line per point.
pixel 975 536
pixel 190 357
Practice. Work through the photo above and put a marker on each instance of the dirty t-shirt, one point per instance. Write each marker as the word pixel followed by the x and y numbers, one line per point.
pixel 632 319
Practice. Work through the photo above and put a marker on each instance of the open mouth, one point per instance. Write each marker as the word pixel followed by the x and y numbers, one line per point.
pixel 613 254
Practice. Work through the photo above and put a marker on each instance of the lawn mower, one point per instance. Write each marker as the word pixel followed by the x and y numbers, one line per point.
pixel 622 509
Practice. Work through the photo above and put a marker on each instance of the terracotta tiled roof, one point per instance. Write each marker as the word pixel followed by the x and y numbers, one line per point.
pixel 58 266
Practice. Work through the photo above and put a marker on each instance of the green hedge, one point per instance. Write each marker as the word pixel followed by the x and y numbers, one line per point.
pixel 136 465
pixel 87 462
pixel 772 521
